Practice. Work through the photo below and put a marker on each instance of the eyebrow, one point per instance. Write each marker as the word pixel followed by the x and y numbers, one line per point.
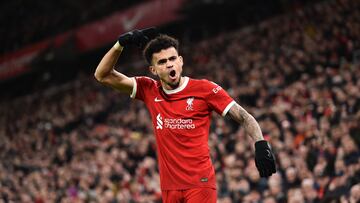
pixel 164 60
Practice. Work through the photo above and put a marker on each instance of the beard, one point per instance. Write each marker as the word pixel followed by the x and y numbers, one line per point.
pixel 174 84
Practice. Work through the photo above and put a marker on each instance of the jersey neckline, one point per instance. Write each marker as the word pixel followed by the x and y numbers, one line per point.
pixel 178 89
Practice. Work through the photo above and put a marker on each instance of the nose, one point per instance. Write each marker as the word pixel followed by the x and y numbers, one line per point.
pixel 169 64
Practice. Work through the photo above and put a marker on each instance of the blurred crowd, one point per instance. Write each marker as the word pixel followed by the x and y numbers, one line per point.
pixel 296 73
pixel 37 20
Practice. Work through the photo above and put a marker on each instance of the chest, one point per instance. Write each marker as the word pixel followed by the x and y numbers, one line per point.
pixel 179 107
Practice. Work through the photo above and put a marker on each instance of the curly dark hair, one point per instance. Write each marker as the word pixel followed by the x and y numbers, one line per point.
pixel 157 44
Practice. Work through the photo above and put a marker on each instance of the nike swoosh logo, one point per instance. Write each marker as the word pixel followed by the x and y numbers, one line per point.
pixel 158 100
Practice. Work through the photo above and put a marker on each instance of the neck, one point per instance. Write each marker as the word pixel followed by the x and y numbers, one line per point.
pixel 172 86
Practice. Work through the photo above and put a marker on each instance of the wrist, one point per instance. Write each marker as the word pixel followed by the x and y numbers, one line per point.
pixel 262 144
pixel 118 46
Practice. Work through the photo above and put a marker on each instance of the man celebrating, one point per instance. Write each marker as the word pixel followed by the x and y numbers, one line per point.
pixel 180 109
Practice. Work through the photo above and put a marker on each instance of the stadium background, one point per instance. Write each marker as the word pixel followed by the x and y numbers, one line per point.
pixel 293 64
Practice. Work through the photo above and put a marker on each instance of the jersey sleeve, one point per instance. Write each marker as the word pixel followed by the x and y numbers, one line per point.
pixel 218 99
pixel 142 86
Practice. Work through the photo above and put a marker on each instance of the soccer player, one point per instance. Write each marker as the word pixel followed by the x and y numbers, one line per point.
pixel 180 108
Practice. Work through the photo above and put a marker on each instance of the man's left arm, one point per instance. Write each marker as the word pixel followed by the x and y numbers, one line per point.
pixel 264 158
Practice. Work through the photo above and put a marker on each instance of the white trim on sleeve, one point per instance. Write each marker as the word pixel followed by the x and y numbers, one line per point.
pixel 228 108
pixel 133 93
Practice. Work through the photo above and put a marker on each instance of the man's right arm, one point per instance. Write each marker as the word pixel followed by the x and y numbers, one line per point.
pixel 107 75
pixel 105 72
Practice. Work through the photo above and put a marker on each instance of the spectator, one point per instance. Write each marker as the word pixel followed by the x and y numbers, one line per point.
pixel 296 75
pixel 355 193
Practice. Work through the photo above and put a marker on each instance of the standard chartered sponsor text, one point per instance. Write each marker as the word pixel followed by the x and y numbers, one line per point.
pixel 179 123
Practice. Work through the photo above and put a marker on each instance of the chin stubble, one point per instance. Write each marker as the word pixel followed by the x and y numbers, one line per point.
pixel 174 85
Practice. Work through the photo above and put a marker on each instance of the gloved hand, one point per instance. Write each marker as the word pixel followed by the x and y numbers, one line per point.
pixel 137 37
pixel 264 159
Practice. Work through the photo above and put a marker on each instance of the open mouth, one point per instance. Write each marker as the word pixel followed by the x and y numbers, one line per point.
pixel 172 74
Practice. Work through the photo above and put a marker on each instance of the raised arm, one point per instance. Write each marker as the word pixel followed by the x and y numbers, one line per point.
pixel 264 158
pixel 107 75
pixel 105 72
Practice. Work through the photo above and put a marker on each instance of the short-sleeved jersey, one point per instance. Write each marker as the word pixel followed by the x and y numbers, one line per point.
pixel 181 122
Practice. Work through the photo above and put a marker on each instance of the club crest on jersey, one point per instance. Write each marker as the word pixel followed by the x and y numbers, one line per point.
pixel 189 102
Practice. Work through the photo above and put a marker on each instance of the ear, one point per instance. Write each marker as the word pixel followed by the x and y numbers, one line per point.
pixel 181 60
pixel 152 70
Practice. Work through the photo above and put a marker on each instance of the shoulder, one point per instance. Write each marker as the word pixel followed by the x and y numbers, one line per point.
pixel 202 82
pixel 144 80
pixel 206 85
pixel 143 85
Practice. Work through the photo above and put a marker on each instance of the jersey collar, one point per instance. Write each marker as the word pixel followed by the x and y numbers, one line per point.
pixel 178 89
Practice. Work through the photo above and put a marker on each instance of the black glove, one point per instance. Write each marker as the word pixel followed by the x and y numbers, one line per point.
pixel 137 37
pixel 264 159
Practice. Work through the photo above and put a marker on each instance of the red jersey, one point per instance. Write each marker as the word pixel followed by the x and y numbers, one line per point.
pixel 181 121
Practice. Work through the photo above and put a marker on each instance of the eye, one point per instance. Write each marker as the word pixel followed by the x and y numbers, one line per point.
pixel 162 61
pixel 173 58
